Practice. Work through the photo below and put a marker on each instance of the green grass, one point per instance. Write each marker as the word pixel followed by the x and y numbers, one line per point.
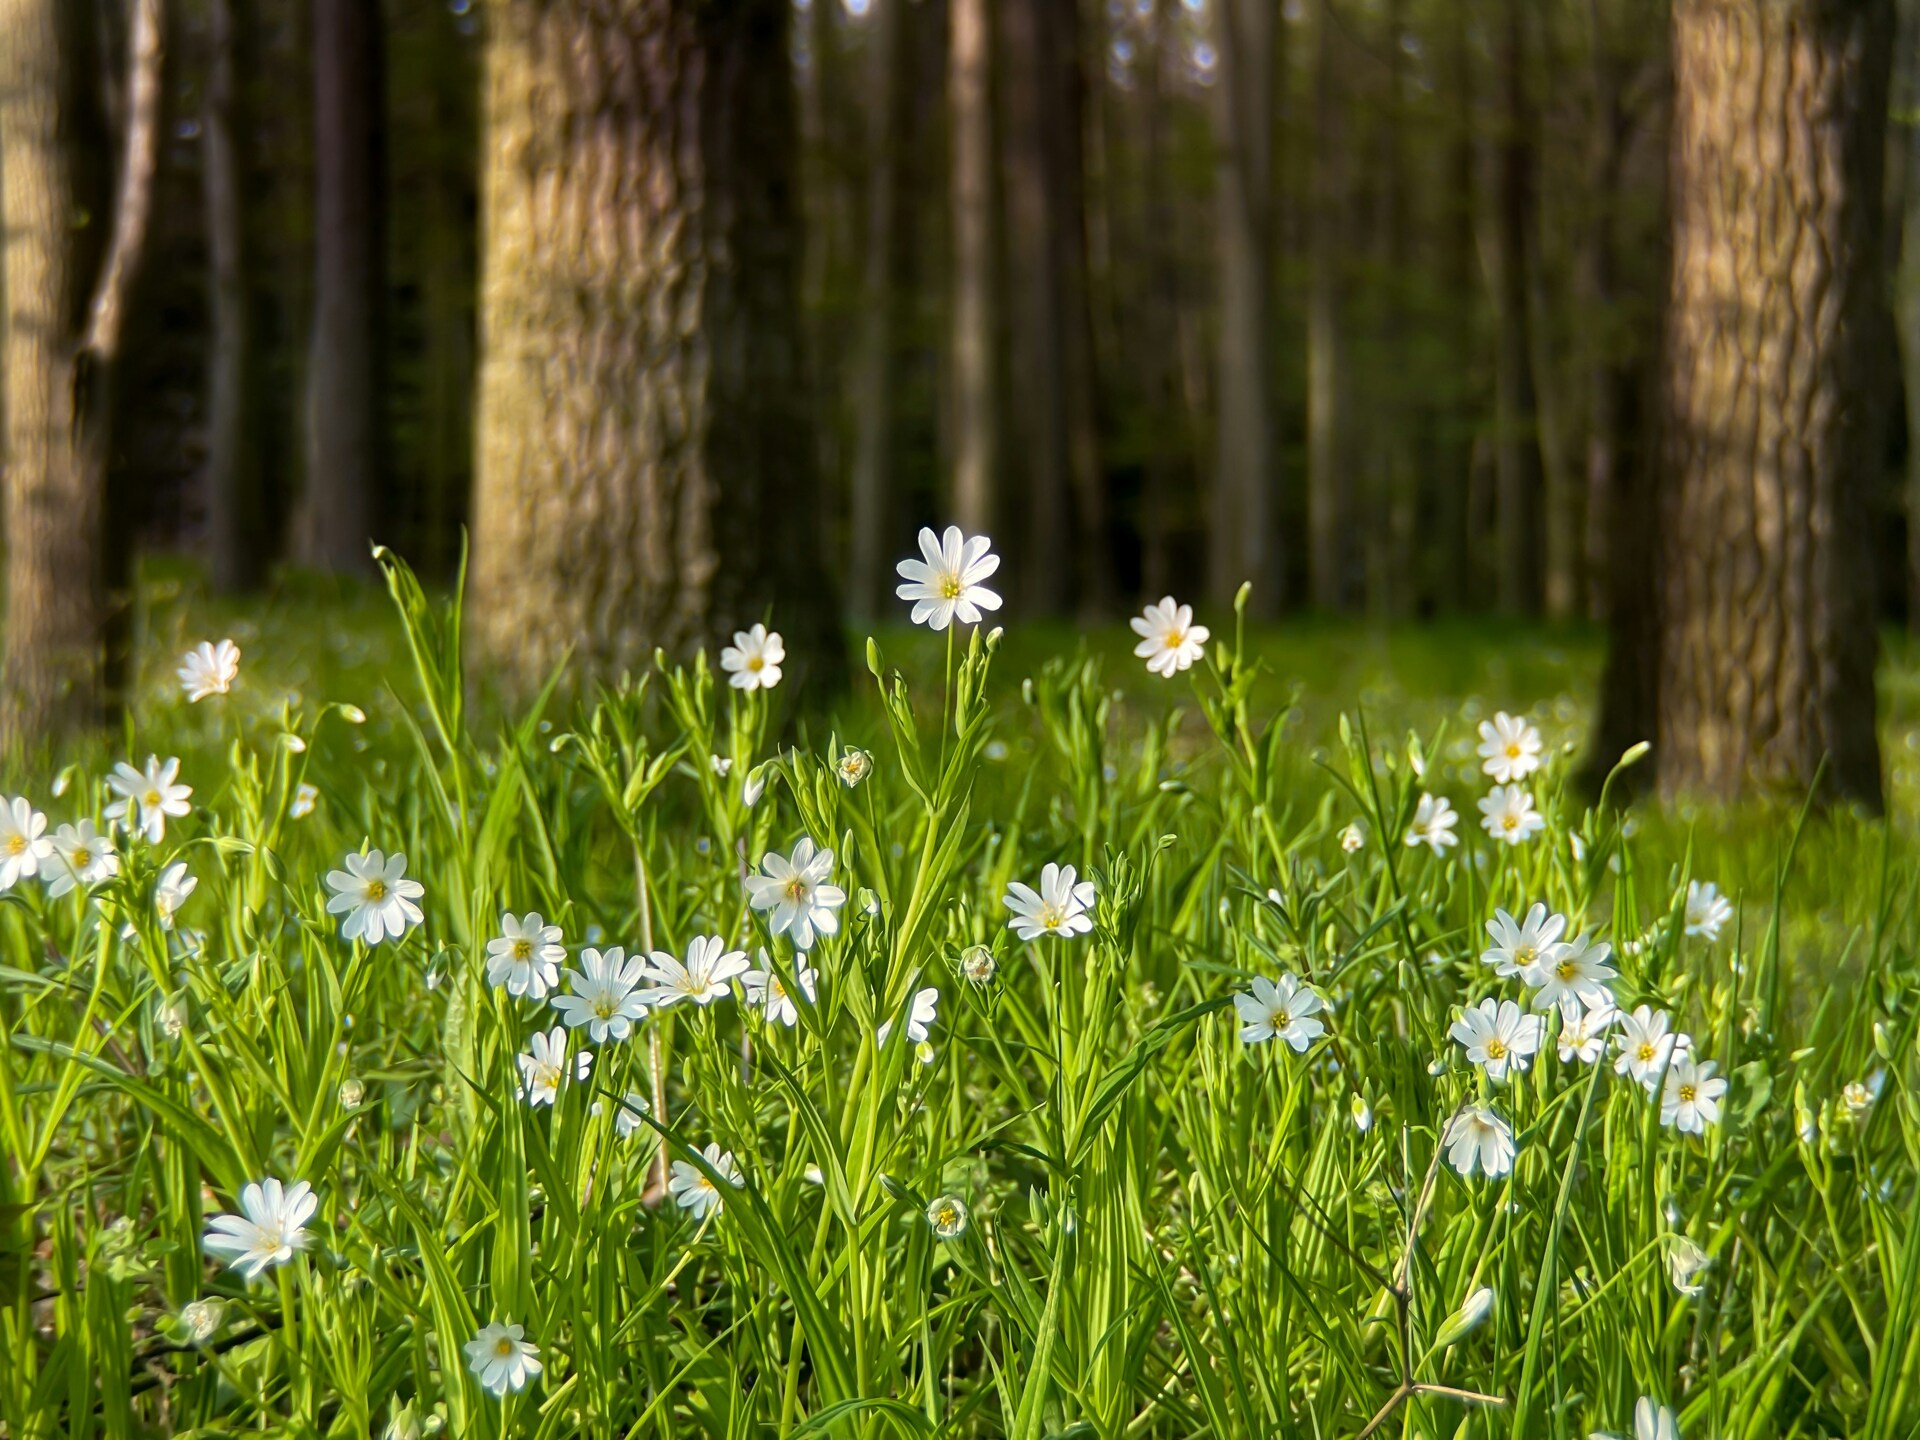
pixel 1171 1232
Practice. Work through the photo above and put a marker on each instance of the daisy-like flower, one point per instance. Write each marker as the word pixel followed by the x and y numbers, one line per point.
pixel 753 661
pixel 948 1217
pixel 1059 907
pixel 81 856
pixel 1691 1100
pixel 145 801
pixel 269 1230
pixel 978 965
pixel 24 846
pixel 693 1191
pixel 768 992
pixel 1507 814
pixel 1169 640
pixel 1517 948
pixel 1583 1033
pixel 543 1066
pixel 501 1360
pixel 305 797
pixel 1479 1138
pixel 1646 1046
pixel 947 583
pixel 1686 1263
pixel 795 889
pixel 1859 1095
pixel 1707 910
pixel 375 896
pixel 1433 822
pixel 920 1018
pixel 604 997
pixel 1285 1009
pixel 1509 748
pixel 171 892
pixel 199 1319
pixel 525 956
pixel 1497 1036
pixel 703 979
pixel 1654 1422
pixel 1577 971
pixel 209 669
pixel 854 766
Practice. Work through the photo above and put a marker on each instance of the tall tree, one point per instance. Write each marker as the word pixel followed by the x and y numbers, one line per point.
pixel 973 408
pixel 66 310
pixel 646 471
pixel 1907 286
pixel 1242 542
pixel 1774 326
pixel 1329 465
pixel 234 549
pixel 1518 479
pixel 332 525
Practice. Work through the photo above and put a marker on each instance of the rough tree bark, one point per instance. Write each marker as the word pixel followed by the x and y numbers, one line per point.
pixel 1242 544
pixel 1771 437
pixel 974 417
pixel 66 311
pixel 646 466
pixel 332 527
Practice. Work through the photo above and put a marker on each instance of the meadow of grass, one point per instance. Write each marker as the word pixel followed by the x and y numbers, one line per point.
pixel 1083 1204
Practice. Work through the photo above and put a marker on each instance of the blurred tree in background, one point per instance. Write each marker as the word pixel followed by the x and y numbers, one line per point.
pixel 690 311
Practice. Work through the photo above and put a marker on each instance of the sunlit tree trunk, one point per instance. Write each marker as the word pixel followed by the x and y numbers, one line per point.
pixel 1771 436
pixel 334 523
pixel 973 378
pixel 67 288
pixel 1242 542
pixel 646 465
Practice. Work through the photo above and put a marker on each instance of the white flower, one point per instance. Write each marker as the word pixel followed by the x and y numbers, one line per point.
pixel 721 764
pixel 604 998
pixel 1654 1422
pixel 1353 837
pixel 501 1360
pixel 1510 748
pixel 1497 1035
pixel 693 1191
pixel 23 843
pixel 209 669
pixel 1283 1009
pixel 948 1217
pixel 947 583
pixel 703 979
pixel 1691 1100
pixel 1707 910
pixel 1170 641
pixel 1479 1138
pixel 375 896
pixel 200 1318
pixel 81 856
pixel 1583 1033
pixel 172 1016
pixel 268 1232
pixel 920 1018
pixel 768 991
pixel 1858 1095
pixel 752 788
pixel 1508 815
pixel 1645 1045
pixel 544 1065
pixel 630 1114
pixel 1576 971
pixel 1059 907
pixel 147 800
pixel 525 956
pixel 1686 1262
pixel 305 797
pixel 854 766
pixel 795 889
pixel 1433 822
pixel 171 892
pixel 1517 948
pixel 1361 1112
pixel 978 964
pixel 753 661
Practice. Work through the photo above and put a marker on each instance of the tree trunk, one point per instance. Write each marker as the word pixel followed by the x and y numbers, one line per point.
pixel 1166 468
pixel 67 302
pixel 646 470
pixel 888 91
pixel 235 552
pixel 1242 543
pixel 1518 480
pixel 1329 465
pixel 1907 291
pixel 334 523
pixel 1450 572
pixel 974 413
pixel 1771 436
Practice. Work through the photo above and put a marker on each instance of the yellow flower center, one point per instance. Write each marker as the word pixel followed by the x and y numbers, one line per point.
pixel 1645 1052
pixel 1509 821
pixel 1523 955
pixel 950 587
pixel 946 1217
pixel 796 889
pixel 1281 1019
pixel 16 844
pixel 376 889
pixel 503 1347
pixel 523 949
pixel 1513 750
pixel 1566 970
pixel 756 663
pixel 1686 1094
pixel 1175 639
pixel 605 1007
pixel 1496 1049
pixel 151 798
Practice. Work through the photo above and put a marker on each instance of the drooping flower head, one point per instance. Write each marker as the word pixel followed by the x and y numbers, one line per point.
pixel 947 582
